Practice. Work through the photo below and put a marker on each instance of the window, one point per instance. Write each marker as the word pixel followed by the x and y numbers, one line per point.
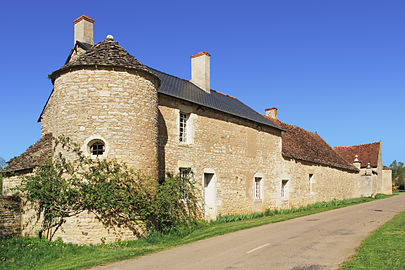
pixel 258 188
pixel 183 127
pixel 284 188
pixel 185 174
pixel 97 148
pixel 311 183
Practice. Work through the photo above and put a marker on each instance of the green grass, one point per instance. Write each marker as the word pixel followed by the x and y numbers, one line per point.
pixel 33 253
pixel 383 249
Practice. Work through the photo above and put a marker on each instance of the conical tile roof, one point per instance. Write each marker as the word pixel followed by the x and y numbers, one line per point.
pixel 104 54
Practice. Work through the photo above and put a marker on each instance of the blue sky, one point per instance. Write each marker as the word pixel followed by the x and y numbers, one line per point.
pixel 334 67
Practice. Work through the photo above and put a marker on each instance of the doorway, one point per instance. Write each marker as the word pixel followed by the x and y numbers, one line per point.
pixel 210 196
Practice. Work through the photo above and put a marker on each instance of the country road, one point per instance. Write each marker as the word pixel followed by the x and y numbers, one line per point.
pixel 319 241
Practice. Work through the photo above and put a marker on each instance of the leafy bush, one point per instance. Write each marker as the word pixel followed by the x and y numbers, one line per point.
pixel 117 195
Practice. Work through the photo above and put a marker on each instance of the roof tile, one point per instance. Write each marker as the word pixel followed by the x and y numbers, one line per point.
pixel 34 156
pixel 300 144
pixel 103 54
pixel 367 153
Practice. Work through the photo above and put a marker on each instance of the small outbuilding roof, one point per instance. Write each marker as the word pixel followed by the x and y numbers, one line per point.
pixel 34 156
pixel 367 153
pixel 300 144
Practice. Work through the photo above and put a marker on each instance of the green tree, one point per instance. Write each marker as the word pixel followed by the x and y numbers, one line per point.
pixel 116 194
pixel 398 174
pixel 3 163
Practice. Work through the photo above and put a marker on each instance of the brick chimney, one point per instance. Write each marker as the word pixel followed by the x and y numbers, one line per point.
pixel 200 70
pixel 84 30
pixel 272 113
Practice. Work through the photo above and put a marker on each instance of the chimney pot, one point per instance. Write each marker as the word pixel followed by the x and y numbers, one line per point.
pixel 84 30
pixel 356 162
pixel 200 70
pixel 272 113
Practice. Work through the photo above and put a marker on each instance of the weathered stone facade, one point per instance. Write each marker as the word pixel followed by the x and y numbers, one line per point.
pixel 386 181
pixel 234 149
pixel 10 216
pixel 326 184
pixel 117 107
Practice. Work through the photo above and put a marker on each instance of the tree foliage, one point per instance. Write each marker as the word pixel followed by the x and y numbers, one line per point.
pixel 398 174
pixel 3 163
pixel 72 183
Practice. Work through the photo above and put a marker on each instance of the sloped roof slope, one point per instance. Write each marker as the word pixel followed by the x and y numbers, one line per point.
pixel 34 156
pixel 367 153
pixel 300 144
pixel 185 90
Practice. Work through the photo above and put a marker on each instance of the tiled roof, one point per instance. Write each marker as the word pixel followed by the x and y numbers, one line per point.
pixel 300 144
pixel 387 168
pixel 367 153
pixel 104 54
pixel 34 156
pixel 185 90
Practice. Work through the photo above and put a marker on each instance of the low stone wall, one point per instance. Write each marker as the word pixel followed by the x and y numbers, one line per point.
pixel 10 216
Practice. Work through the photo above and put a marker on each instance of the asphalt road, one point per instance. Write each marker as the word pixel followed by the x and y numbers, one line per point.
pixel 319 241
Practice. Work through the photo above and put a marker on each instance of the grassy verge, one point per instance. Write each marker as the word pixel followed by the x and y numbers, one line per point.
pixel 383 249
pixel 32 253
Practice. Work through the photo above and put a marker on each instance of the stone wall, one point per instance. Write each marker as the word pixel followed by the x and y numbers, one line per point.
pixel 10 183
pixel 117 107
pixel 234 149
pixel 366 183
pixel 10 216
pixel 386 181
pixel 326 184
pixel 82 229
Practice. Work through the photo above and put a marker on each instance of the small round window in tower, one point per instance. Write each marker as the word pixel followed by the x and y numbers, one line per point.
pixel 97 148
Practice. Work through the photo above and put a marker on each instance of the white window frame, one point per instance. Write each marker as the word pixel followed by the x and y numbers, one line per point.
pixel 284 189
pixel 257 188
pixel 85 148
pixel 311 183
pixel 184 127
pixel 185 173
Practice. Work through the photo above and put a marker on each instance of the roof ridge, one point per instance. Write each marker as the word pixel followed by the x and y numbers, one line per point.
pixel 154 69
pixel 379 142
pixel 224 94
pixel 327 155
pixel 271 119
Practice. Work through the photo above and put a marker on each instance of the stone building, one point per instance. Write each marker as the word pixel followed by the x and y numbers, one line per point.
pixel 243 161
pixel 374 176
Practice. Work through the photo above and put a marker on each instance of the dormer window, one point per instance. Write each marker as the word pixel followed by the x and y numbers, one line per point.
pixel 97 148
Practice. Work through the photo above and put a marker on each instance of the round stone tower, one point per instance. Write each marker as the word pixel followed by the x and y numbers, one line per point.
pixel 106 100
